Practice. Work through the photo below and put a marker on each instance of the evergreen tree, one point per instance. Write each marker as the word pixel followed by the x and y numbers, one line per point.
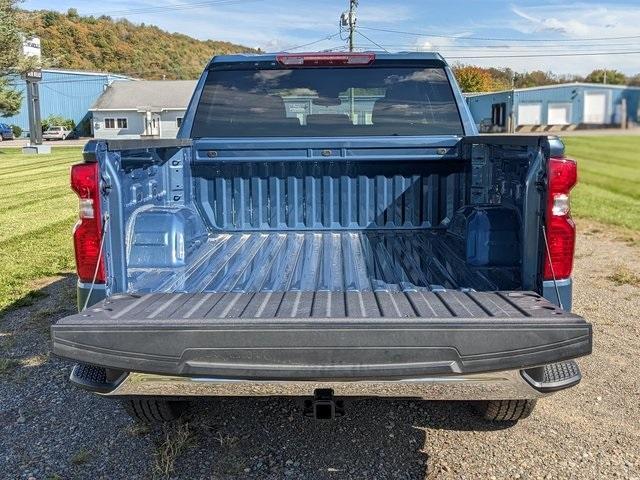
pixel 10 57
pixel 611 77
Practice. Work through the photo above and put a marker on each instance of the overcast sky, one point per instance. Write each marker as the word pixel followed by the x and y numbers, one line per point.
pixel 456 28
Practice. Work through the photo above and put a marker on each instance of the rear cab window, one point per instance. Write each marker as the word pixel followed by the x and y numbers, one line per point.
pixel 265 99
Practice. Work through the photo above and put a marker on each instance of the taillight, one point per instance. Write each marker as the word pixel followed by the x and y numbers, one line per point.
pixel 561 231
pixel 87 233
pixel 326 59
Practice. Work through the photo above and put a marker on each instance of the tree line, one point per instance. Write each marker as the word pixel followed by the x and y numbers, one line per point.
pixel 120 46
pixel 72 41
pixel 478 79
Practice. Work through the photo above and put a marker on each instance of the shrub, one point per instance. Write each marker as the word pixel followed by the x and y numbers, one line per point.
pixel 57 121
pixel 17 131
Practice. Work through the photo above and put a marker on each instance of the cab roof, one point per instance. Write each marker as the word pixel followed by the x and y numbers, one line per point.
pixel 271 57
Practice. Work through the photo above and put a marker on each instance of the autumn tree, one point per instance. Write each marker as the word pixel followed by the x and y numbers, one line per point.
pixel 502 78
pixel 536 78
pixel 474 79
pixel 70 40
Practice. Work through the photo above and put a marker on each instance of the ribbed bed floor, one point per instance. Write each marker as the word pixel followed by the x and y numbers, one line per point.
pixel 325 261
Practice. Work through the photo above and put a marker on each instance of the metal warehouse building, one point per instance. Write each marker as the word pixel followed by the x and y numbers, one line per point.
pixel 556 107
pixel 65 93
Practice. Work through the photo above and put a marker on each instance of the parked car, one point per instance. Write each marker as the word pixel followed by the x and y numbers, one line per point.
pixel 56 133
pixel 355 237
pixel 6 132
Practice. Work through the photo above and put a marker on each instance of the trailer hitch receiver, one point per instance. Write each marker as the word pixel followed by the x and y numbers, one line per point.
pixel 323 406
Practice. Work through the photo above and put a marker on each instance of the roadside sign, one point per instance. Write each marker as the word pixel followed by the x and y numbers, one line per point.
pixel 34 76
pixel 31 47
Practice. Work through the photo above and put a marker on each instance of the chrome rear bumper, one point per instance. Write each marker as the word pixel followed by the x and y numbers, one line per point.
pixel 485 386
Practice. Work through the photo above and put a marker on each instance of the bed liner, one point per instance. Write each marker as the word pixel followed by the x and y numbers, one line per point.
pixel 326 260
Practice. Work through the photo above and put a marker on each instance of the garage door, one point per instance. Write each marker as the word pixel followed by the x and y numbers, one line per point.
pixel 530 114
pixel 559 114
pixel 595 107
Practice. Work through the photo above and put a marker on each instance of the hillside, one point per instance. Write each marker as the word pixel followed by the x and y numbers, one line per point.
pixel 119 46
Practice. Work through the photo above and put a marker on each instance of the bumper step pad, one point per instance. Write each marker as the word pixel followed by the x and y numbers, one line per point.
pixel 554 377
pixel 96 379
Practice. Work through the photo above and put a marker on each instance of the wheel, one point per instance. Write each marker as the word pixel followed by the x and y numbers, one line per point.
pixel 153 410
pixel 505 410
pixel 64 137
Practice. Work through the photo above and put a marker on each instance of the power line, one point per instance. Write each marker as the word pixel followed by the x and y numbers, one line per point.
pixel 401 32
pixel 114 77
pixel 376 44
pixel 168 8
pixel 45 82
pixel 507 46
pixel 501 52
pixel 336 48
pixel 451 54
pixel 542 55
pixel 99 79
pixel 328 37
pixel 524 53
pixel 86 95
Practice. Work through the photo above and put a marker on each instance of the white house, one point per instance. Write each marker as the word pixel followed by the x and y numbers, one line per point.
pixel 141 109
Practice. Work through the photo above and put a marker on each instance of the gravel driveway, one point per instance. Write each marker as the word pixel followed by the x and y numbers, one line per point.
pixel 50 430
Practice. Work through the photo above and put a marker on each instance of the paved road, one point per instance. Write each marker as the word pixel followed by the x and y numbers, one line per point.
pixel 19 143
pixel 50 430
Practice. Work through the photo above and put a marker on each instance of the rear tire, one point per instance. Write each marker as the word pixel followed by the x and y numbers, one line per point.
pixel 505 410
pixel 153 410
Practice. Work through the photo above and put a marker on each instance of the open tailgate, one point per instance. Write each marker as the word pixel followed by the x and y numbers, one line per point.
pixel 300 335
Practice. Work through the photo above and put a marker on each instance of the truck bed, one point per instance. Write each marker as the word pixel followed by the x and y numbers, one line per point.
pixel 325 261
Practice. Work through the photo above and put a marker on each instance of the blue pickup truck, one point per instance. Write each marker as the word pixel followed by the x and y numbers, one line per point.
pixel 325 225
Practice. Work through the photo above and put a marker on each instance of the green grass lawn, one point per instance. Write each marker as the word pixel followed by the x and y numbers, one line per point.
pixel 37 213
pixel 38 209
pixel 608 179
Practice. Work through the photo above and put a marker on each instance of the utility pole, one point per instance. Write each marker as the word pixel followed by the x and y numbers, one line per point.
pixel 353 5
pixel 349 20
